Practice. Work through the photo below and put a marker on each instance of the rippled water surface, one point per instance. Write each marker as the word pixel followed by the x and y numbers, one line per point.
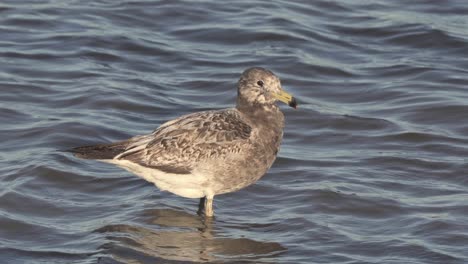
pixel 373 166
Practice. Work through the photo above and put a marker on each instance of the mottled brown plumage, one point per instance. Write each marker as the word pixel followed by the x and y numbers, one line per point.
pixel 191 139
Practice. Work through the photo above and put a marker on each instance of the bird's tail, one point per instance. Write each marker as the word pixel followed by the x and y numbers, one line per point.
pixel 101 151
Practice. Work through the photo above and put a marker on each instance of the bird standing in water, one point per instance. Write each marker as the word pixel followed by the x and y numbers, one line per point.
pixel 207 153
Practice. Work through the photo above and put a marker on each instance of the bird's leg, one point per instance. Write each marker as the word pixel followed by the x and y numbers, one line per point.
pixel 201 205
pixel 206 206
pixel 209 206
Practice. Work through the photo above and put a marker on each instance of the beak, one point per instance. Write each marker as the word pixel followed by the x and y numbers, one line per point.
pixel 286 98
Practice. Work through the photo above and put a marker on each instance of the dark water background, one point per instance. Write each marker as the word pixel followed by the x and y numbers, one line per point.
pixel 373 167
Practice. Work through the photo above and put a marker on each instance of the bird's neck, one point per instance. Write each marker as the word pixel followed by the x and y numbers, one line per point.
pixel 269 123
pixel 267 116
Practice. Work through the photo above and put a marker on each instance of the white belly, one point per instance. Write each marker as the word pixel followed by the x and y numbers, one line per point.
pixel 185 185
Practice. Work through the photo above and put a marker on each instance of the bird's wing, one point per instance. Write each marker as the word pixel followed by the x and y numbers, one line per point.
pixel 178 145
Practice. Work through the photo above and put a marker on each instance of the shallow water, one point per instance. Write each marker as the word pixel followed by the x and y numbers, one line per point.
pixel 373 166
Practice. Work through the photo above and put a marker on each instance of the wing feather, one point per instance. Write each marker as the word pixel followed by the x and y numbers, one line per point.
pixel 178 145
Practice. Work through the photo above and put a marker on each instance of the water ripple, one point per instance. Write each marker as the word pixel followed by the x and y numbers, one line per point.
pixel 373 164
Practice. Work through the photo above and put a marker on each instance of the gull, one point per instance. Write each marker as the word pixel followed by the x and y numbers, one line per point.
pixel 208 153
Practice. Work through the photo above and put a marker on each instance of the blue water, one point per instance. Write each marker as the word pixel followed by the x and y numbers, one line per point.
pixel 373 167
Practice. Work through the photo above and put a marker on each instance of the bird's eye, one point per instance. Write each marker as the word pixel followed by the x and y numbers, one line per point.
pixel 260 83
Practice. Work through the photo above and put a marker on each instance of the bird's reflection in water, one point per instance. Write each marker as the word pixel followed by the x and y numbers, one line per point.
pixel 176 235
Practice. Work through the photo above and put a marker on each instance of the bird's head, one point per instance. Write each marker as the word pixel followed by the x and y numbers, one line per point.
pixel 262 87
